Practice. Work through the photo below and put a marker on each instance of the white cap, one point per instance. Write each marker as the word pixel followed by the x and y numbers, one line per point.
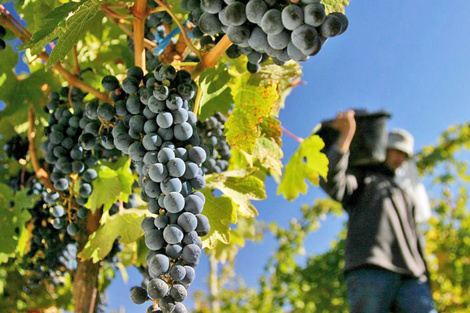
pixel 401 140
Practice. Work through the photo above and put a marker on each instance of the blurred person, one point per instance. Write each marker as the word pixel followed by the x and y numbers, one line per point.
pixel 385 270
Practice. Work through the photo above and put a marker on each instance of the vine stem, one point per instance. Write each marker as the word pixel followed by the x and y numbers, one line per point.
pixel 112 13
pixel 288 133
pixel 140 12
pixel 197 101
pixel 120 23
pixel 7 21
pixel 186 38
pixel 76 65
pixel 210 59
pixel 41 174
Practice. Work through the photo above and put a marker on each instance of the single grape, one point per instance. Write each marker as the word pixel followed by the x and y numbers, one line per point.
pixel 209 23
pixel 203 226
pixel 154 239
pixel 174 202
pixel 331 27
pixel 303 37
pixel 157 288
pixel 255 9
pixel 235 14
pixel 138 295
pixel 292 16
pixel 178 292
pixel 270 23
pixel 110 83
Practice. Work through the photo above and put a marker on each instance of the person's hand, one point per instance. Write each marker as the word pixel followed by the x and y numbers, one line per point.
pixel 345 123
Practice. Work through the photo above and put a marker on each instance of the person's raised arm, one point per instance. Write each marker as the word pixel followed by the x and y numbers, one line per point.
pixel 338 184
pixel 345 123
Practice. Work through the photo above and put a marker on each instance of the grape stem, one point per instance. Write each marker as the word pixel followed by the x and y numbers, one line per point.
pixel 41 174
pixel 210 59
pixel 120 20
pixel 113 14
pixel 15 27
pixel 288 133
pixel 140 12
pixel 186 38
pixel 197 101
pixel 76 65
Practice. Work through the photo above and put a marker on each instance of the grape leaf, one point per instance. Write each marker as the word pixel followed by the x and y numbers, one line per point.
pixel 13 217
pixel 111 185
pixel 282 76
pixel 75 27
pixel 252 105
pixel 220 212
pixel 306 163
pixel 240 186
pixel 216 96
pixel 246 230
pixel 50 27
pixel 125 225
pixel 335 5
pixel 269 154
pixel 271 128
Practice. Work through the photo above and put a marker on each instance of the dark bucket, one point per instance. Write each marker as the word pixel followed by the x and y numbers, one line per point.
pixel 370 140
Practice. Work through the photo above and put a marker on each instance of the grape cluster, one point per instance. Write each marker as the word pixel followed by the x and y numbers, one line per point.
pixel 3 32
pixel 75 141
pixel 216 146
pixel 266 28
pixel 47 255
pixel 153 124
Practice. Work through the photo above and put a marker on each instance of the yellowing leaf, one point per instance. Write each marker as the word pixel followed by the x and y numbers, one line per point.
pixel 269 154
pixel 252 105
pixel 126 224
pixel 306 163
pixel 220 212
pixel 241 187
pixel 334 5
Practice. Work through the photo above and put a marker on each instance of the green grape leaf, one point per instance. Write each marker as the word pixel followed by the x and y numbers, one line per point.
pixel 306 163
pixel 125 225
pixel 335 5
pixel 75 27
pixel 49 29
pixel 240 186
pixel 114 183
pixel 252 105
pixel 220 212
pixel 269 154
pixel 9 60
pixel 216 93
pixel 13 217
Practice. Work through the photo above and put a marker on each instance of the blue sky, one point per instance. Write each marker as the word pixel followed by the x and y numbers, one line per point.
pixel 409 58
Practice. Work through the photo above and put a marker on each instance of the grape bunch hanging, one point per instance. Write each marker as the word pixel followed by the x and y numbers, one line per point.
pixel 153 124
pixel 74 143
pixel 268 28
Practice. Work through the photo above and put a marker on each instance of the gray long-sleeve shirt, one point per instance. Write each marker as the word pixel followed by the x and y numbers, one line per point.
pixel 381 228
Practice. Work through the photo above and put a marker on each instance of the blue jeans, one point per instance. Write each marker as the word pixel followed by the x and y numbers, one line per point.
pixel 374 290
